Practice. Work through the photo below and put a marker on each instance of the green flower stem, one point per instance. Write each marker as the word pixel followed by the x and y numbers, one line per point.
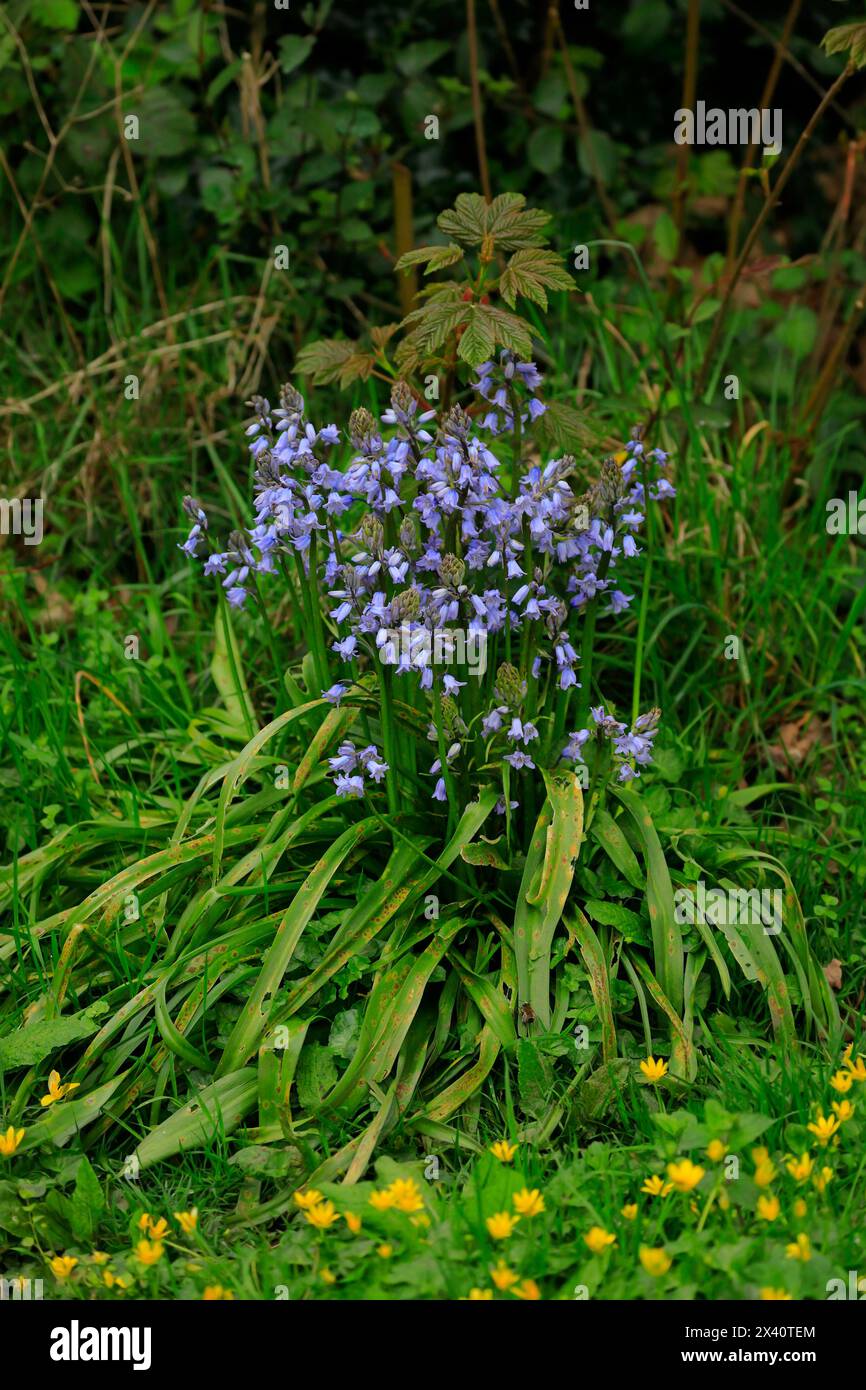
pixel 450 789
pixel 389 743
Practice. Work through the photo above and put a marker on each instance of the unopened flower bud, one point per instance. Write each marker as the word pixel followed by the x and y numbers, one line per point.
pixel 451 571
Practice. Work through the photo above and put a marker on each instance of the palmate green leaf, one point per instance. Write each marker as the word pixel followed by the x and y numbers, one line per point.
pixel 335 360
pixel 564 428
pixel 530 273
pixel 506 220
pixel 478 342
pixel 437 257
pixel 847 38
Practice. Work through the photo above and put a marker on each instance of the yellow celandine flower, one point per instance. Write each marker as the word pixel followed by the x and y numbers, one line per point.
pixel 629 1211
pixel 116 1281
pixel 322 1215
pixel 503 1150
pixel 656 1186
pixel 527 1290
pixel 856 1069
pixel 56 1091
pixel 765 1173
pixel 842 1081
pixel 10 1140
pixel 503 1277
pixel 770 1295
pixel 62 1266
pixel 327 1277
pixel 384 1251
pixel 353 1221
pixel 655 1262
pixel 479 1295
pixel 406 1195
pixel 821 1179
pixel 422 1219
pixel 769 1208
pixel 159 1228
pixel 99 1257
pixel 723 1202
pixel 149 1251
pixel 653 1069
pixel 528 1203
pixel 501 1225
pixel 310 1198
pixel 760 1155
pixel 800 1249
pixel 215 1293
pixel 800 1209
pixel 143 1222
pixel 824 1127
pixel 844 1110
pixel 801 1168
pixel 187 1220
pixel 598 1239
pixel 716 1150
pixel 382 1200
pixel 685 1175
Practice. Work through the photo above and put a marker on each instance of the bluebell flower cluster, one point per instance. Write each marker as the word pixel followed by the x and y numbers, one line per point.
pixel 631 747
pixel 351 766
pixel 425 538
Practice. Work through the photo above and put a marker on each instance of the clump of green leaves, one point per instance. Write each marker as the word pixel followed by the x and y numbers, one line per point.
pixel 499 253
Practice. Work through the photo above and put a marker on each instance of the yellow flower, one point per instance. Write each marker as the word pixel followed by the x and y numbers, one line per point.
pixel 187 1220
pixel 56 1091
pixel 844 1110
pixel 598 1239
pixel 629 1211
pixel 503 1150
pixel 159 1228
pixel 479 1295
pixel 503 1277
pixel 655 1262
pixel 799 1249
pixel 322 1215
pixel 653 1069
pixel 327 1277
pixel 119 1281
pixel 528 1290
pixel 842 1081
pixel 99 1257
pixel 143 1222
pixel 765 1173
pixel 821 1179
pixel 528 1203
pixel 760 1155
pixel 422 1219
pixel 769 1208
pixel 800 1168
pixel 384 1251
pixel 10 1140
pixel 501 1226
pixel 310 1198
pixel 406 1195
pixel 685 1175
pixel 353 1221
pixel 724 1201
pixel 823 1128
pixel 62 1266
pixel 800 1209
pixel 148 1252
pixel 215 1292
pixel 656 1186
pixel 769 1295
pixel 382 1200
pixel 716 1150
pixel 856 1070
